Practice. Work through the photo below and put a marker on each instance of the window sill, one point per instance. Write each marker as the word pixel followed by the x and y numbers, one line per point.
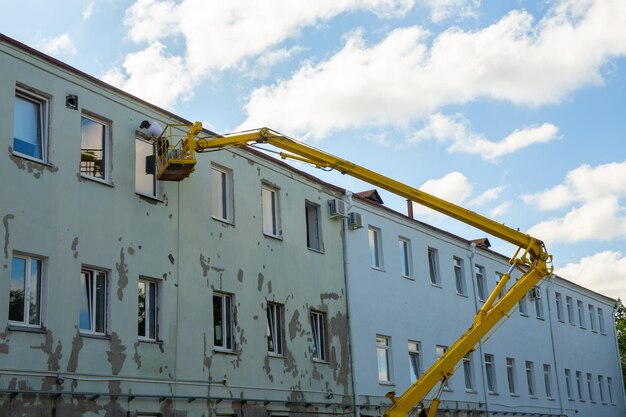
pixel 226 351
pixel 493 393
pixel 315 250
pixel 315 360
pixel 551 399
pixel 151 198
pixel 276 355
pixel 541 318
pixel 95 336
pixel 533 397
pixel 435 285
pixel 512 394
pixel 225 222
pixel 462 295
pixel 97 180
pixel 274 237
pixel 523 314
pixel 571 399
pixel 21 327
pixel 377 268
pixel 471 391
pixel 386 383
pixel 31 158
pixel 150 341
pixel 408 277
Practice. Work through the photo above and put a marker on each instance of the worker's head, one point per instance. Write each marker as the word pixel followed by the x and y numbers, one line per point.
pixel 144 125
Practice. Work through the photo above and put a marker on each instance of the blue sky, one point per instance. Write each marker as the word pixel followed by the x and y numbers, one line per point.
pixel 512 109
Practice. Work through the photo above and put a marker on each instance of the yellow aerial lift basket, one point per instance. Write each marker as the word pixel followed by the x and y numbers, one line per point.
pixel 174 154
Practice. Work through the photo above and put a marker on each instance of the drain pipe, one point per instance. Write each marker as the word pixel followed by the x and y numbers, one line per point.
pixel 346 276
pixel 472 253
pixel 556 369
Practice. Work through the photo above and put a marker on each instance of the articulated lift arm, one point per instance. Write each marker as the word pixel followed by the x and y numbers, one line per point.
pixel 531 258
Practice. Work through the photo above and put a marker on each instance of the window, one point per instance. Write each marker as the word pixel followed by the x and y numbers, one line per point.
pixel 146 183
pixel 530 378
pixel 459 276
pixel 148 302
pixel 600 320
pixel 570 311
pixel 510 375
pixel 568 384
pixel 271 217
pixel 559 306
pixel 468 372
pixel 25 291
pixel 579 385
pixel 382 355
pixel 223 325
pixel 539 308
pixel 30 124
pixel 406 265
pixel 376 251
pixel 503 290
pixel 581 314
pixel 275 328
pixel 94 148
pixel 547 379
pixel 481 285
pixel 491 373
pixel 94 289
pixel 433 266
pixel 313 230
pixel 592 321
pixel 601 387
pixel 415 363
pixel 590 387
pixel 222 193
pixel 609 383
pixel 523 308
pixel 440 351
pixel 318 328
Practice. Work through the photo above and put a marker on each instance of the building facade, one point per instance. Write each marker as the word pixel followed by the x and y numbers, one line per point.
pixel 414 289
pixel 236 291
pixel 126 296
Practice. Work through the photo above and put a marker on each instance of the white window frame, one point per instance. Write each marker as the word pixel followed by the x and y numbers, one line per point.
pixel 375 241
pixel 415 360
pixel 313 226
pixel 511 376
pixel 319 340
pixel 383 359
pixel 140 165
pixel 151 309
pixel 530 379
pixel 609 391
pixel 406 260
pixel 579 385
pixel 275 328
pixel 106 150
pixel 28 291
pixel 270 204
pixel 601 388
pixel 481 284
pixel 547 380
pixel 592 321
pixel 459 275
pixel 601 321
pixel 43 104
pixel 222 194
pixel 559 306
pixel 539 308
pixel 468 373
pixel 568 384
pixel 224 329
pixel 581 313
pixel 499 276
pixel 92 274
pixel 590 387
pixel 490 372
pixel 433 267
pixel 569 301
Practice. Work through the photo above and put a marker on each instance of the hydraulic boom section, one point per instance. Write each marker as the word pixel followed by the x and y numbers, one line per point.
pixel 531 257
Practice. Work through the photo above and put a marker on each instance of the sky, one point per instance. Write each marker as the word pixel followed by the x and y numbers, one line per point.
pixel 513 109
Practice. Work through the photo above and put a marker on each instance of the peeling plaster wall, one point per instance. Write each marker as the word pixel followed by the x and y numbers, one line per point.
pixel 383 302
pixel 50 211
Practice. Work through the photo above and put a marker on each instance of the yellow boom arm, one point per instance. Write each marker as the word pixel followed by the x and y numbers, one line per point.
pixel 531 257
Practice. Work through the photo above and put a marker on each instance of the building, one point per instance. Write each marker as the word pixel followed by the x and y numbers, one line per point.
pixel 414 289
pixel 125 295
pixel 236 292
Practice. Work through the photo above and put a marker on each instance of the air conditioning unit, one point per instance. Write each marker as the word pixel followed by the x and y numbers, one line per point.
pixel 355 221
pixel 337 208
pixel 535 293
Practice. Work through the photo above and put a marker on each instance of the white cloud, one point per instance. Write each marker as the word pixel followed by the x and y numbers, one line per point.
pixel 604 272
pixel 453 187
pixel 59 45
pixel 489 195
pixel 227 34
pixel 155 77
pixel 500 209
pixel 458 131
pixel 88 10
pixel 404 78
pixel 441 10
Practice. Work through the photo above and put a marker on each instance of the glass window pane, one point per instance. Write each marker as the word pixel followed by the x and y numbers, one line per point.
pixel 218 337
pixel 27 135
pixel 100 302
pixel 17 290
pixel 85 300
pixel 141 302
pixel 93 137
pixel 144 170
pixel 152 309
pixel 34 288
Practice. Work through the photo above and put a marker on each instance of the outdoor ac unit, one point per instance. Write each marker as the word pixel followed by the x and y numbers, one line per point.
pixel 535 293
pixel 337 208
pixel 355 221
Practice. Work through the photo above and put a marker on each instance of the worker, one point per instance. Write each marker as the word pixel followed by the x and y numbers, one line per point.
pixel 422 412
pixel 155 131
